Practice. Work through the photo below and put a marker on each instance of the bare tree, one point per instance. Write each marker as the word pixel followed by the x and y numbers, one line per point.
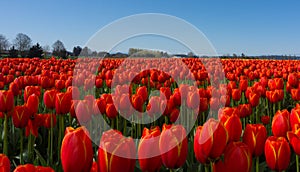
pixel 59 49
pixel 4 44
pixel 46 50
pixel 22 43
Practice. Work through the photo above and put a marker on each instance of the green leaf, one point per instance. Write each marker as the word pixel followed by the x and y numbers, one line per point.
pixel 40 158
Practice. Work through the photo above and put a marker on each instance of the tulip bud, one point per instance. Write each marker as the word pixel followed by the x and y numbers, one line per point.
pixel 148 150
pixel 76 151
pixel 33 104
pixel 6 101
pixel 63 103
pixel 20 116
pixel 294 138
pixel 281 123
pixel 277 153
pixel 49 98
pixel 255 136
pixel 173 143
pixel 237 157
pixel 4 163
pixel 116 153
pixel 210 141
pixel 233 126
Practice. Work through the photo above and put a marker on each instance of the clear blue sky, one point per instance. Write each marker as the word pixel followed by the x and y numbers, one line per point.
pixel 253 27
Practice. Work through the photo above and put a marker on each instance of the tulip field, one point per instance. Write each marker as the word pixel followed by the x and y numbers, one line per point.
pixel 149 114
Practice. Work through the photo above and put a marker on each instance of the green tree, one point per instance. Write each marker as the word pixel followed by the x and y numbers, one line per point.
pixel 35 51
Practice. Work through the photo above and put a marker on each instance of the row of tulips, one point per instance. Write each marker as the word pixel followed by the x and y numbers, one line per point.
pixel 42 98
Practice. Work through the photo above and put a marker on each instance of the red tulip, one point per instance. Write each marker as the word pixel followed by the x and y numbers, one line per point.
pixel 281 123
pixel 293 79
pixel 254 99
pixel 6 101
pixel 20 116
pixel 173 146
pixel 294 138
pixel 32 168
pixel 255 136
pixel 243 84
pixel 210 141
pixel 83 111
pixel 236 94
pixel 33 104
pixel 4 163
pixel 14 87
pixel 295 117
pixel 203 106
pixel 174 115
pixel 59 84
pixel 49 98
pixel 265 119
pixel 193 99
pixel 33 125
pixel 237 157
pixel 47 120
pixel 148 150
pixel 111 111
pixel 278 153
pixel 116 153
pixel 295 94
pixel 138 102
pixel 142 91
pixel 244 110
pixel 100 105
pixel 233 126
pixel 76 150
pixel 63 102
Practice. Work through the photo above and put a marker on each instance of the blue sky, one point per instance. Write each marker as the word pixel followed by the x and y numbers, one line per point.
pixel 253 27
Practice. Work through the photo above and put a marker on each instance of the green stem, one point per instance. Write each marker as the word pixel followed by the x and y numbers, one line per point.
pixel 61 133
pixel 206 167
pixel 124 127
pixel 21 146
pixel 297 163
pixel 30 148
pixel 5 135
pixel 257 164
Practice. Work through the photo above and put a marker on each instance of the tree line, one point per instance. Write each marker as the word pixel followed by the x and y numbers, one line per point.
pixel 22 46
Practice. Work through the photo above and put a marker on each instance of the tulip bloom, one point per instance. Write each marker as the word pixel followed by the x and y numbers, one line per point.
pixel 20 116
pixel 294 138
pixel 255 136
pixel 32 168
pixel 4 163
pixel 278 153
pixel 83 111
pixel 33 104
pixel 76 150
pixel 233 126
pixel 148 150
pixel 6 101
pixel 243 84
pixel 116 153
pixel 236 94
pixel 49 98
pixel 237 157
pixel 295 117
pixel 142 91
pixel 63 102
pixel 173 146
pixel 281 123
pixel 210 141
